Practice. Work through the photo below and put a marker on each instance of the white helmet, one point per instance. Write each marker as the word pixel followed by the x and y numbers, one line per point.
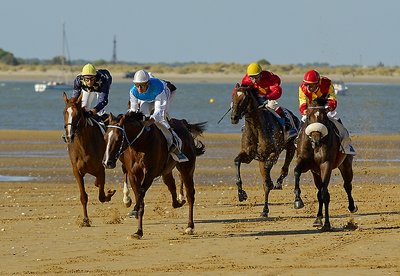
pixel 141 76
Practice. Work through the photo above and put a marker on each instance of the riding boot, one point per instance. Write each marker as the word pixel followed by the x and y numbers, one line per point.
pixel 291 131
pixel 174 150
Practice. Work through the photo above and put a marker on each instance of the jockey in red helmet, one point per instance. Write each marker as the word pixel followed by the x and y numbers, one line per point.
pixel 315 86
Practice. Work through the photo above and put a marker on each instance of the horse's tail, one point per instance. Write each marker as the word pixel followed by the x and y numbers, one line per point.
pixel 200 148
pixel 195 129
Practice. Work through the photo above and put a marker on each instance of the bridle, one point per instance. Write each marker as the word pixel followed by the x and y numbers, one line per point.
pixel 74 127
pixel 241 109
pixel 125 138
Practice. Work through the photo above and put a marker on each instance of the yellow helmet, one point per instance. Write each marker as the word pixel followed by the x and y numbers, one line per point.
pixel 88 70
pixel 254 69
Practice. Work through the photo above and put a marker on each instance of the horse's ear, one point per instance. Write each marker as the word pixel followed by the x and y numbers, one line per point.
pixel 65 97
pixel 122 120
pixel 129 105
pixel 237 85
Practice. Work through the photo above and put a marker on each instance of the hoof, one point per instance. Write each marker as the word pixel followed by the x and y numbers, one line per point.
pixel 317 222
pixel 242 195
pixel 278 187
pixel 128 203
pixel 354 210
pixel 298 204
pixel 326 228
pixel 189 231
pixel 85 223
pixel 264 215
pixel 134 237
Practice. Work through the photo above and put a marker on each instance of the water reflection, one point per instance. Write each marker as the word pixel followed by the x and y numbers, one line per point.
pixel 15 178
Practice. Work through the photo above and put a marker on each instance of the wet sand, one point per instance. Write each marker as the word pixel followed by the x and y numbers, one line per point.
pixel 40 233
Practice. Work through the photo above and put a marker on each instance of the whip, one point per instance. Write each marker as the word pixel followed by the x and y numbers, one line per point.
pixel 224 115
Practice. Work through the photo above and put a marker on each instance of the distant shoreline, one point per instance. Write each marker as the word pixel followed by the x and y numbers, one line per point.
pixel 193 77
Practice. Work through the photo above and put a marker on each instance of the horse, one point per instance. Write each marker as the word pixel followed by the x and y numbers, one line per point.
pixel 262 139
pixel 144 154
pixel 318 150
pixel 86 148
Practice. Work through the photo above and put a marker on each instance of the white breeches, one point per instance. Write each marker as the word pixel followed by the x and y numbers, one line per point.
pixel 87 101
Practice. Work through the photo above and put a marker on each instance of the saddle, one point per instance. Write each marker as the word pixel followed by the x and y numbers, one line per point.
pixel 344 137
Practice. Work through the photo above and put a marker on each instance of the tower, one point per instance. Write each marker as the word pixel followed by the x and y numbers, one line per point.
pixel 114 56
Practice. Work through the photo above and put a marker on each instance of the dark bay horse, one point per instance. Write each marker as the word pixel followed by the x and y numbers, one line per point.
pixel 143 151
pixel 262 140
pixel 86 148
pixel 318 150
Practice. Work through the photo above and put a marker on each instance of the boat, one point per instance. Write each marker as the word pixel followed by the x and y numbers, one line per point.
pixel 58 84
pixel 340 87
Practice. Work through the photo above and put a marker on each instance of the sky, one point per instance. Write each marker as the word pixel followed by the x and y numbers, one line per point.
pixel 338 32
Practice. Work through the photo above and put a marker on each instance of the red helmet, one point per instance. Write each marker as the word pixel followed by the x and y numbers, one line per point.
pixel 311 76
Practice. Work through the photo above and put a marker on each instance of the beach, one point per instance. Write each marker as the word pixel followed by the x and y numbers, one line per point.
pixel 40 216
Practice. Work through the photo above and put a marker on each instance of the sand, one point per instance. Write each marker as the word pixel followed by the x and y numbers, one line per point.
pixel 40 233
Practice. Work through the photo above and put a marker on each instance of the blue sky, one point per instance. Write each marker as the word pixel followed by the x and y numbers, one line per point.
pixel 362 32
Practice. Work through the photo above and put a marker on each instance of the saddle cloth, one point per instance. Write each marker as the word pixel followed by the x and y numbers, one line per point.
pixel 344 137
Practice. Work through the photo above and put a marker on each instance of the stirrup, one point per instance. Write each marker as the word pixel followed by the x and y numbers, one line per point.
pixel 177 155
pixel 291 133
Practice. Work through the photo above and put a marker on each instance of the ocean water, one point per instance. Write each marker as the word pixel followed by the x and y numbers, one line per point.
pixel 366 108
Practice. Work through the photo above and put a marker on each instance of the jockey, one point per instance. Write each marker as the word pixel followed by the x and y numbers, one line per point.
pixel 269 89
pixel 315 86
pixel 152 97
pixel 93 84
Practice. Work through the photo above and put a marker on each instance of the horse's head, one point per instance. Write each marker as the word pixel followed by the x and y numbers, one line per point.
pixel 317 121
pixel 241 97
pixel 122 132
pixel 114 137
pixel 74 118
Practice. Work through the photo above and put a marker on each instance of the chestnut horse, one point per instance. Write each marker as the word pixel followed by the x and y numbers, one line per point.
pixel 86 148
pixel 318 150
pixel 262 140
pixel 143 151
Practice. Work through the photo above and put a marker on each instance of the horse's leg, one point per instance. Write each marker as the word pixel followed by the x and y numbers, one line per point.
pixel 326 171
pixel 139 206
pixel 100 182
pixel 187 178
pixel 290 151
pixel 265 169
pixel 126 199
pixel 170 182
pixel 241 193
pixel 181 195
pixel 298 202
pixel 346 170
pixel 318 184
pixel 83 196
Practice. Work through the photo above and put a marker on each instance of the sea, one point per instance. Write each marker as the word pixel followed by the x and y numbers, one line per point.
pixel 366 108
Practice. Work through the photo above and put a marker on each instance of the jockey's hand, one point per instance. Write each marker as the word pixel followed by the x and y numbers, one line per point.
pixel 87 114
pixel 148 122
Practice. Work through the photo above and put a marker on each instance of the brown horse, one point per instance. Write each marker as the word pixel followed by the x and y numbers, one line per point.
pixel 86 148
pixel 262 140
pixel 143 151
pixel 318 150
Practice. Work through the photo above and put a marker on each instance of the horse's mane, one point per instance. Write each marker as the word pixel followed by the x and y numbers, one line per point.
pixel 131 116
